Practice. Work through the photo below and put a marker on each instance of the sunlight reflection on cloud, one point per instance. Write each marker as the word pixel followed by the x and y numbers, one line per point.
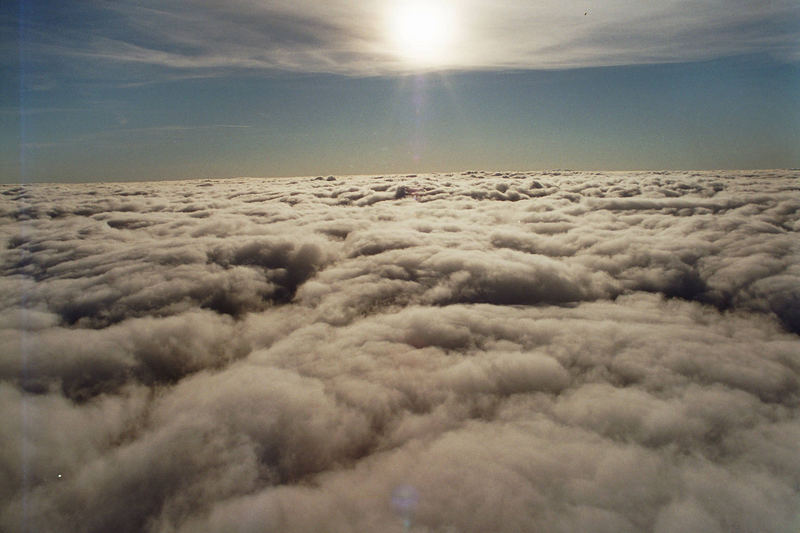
pixel 560 351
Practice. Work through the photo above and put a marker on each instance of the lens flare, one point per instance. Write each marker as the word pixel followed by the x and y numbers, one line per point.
pixel 422 33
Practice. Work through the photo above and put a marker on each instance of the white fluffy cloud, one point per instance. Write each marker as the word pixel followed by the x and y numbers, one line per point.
pixel 555 351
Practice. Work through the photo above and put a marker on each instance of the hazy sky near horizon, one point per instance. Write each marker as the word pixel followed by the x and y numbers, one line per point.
pixel 97 90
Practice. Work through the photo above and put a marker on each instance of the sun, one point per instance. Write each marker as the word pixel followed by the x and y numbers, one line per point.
pixel 422 32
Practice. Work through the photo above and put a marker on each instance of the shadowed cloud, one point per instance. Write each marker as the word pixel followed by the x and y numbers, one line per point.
pixel 560 351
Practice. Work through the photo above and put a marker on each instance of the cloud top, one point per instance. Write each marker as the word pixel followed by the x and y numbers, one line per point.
pixel 559 351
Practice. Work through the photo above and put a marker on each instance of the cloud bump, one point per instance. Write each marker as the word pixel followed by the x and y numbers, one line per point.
pixel 557 351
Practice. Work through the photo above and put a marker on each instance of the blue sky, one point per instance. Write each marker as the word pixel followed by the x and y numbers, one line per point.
pixel 97 90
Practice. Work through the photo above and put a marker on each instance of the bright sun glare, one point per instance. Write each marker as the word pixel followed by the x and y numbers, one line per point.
pixel 421 32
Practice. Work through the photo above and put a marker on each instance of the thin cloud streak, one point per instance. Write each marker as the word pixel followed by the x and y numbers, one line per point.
pixel 347 38
pixel 107 135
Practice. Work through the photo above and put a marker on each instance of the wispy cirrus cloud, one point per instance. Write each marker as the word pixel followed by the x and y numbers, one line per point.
pixel 352 38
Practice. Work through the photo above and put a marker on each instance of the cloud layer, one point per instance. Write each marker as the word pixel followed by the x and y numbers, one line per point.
pixel 354 38
pixel 560 351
